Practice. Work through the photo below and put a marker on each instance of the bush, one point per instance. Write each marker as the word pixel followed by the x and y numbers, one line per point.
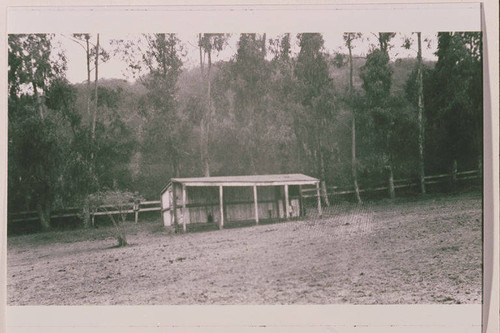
pixel 113 200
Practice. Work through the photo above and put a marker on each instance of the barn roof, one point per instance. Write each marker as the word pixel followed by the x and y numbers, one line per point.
pixel 260 180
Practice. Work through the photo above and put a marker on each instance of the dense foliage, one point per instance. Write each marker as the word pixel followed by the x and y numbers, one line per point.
pixel 266 110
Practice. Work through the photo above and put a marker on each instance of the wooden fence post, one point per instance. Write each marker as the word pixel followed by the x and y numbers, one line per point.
pixel 136 210
pixel 301 202
pixel 184 210
pixel 221 206
pixel 287 209
pixel 256 204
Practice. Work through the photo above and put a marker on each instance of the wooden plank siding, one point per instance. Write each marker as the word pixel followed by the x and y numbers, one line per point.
pixel 202 203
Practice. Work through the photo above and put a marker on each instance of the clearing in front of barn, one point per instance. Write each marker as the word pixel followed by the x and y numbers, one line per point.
pixel 405 252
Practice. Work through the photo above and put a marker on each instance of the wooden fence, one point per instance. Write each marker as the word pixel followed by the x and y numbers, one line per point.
pixel 398 184
pixel 144 206
pixel 151 206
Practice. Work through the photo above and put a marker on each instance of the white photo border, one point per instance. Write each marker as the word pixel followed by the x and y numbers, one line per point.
pixel 63 16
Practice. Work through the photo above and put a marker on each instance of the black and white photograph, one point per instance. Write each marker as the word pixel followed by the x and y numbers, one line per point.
pixel 245 168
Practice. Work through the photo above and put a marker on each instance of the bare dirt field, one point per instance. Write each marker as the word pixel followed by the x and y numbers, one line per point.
pixel 403 252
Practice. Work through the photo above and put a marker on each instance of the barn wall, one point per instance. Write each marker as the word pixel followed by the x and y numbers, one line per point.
pixel 165 202
pixel 167 219
pixel 201 214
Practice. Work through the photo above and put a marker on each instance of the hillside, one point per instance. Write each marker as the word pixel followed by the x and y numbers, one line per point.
pixel 402 68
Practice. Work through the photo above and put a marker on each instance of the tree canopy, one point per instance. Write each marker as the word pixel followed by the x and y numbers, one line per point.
pixel 278 105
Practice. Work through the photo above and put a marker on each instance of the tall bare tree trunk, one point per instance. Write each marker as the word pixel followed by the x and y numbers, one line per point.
pixel 87 50
pixel 421 127
pixel 207 116
pixel 354 161
pixel 94 115
pixel 264 45
pixel 353 146
pixel 201 56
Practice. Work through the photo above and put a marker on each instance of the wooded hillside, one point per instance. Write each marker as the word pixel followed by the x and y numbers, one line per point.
pixel 338 117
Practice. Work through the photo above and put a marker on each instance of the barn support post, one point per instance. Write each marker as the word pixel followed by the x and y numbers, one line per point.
pixel 320 212
pixel 301 202
pixel 184 210
pixel 171 205
pixel 256 204
pixel 221 205
pixel 287 208
pixel 174 207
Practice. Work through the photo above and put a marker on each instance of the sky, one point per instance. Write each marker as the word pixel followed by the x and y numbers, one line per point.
pixel 116 68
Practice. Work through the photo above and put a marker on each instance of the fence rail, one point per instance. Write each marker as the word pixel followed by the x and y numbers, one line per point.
pixel 144 206
pixel 398 184
pixel 155 205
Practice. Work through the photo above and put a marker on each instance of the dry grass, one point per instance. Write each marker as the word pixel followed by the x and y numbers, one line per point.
pixel 408 251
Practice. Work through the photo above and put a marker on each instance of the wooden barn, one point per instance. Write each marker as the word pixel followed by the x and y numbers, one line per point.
pixel 234 198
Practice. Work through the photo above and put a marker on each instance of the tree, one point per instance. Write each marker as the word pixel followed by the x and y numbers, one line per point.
pixel 454 106
pixel 97 53
pixel 420 114
pixel 250 79
pixel 377 79
pixel 31 66
pixel 288 148
pixel 419 87
pixel 163 123
pixel 349 38
pixel 384 38
pixel 84 41
pixel 76 180
pixel 115 138
pixel 207 43
pixel 36 135
pixel 155 59
pixel 315 93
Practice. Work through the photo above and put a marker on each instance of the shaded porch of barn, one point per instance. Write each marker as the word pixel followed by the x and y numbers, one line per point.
pixel 222 201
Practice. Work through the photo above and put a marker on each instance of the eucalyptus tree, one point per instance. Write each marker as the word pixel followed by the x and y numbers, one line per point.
pixel 315 93
pixel 33 64
pixel 349 38
pixel 416 83
pixel 376 74
pixel 289 150
pixel 207 44
pixel 156 60
pixel 36 133
pixel 95 53
pixel 454 101
pixel 250 82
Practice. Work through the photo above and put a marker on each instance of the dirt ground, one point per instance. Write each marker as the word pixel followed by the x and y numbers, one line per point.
pixel 404 252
